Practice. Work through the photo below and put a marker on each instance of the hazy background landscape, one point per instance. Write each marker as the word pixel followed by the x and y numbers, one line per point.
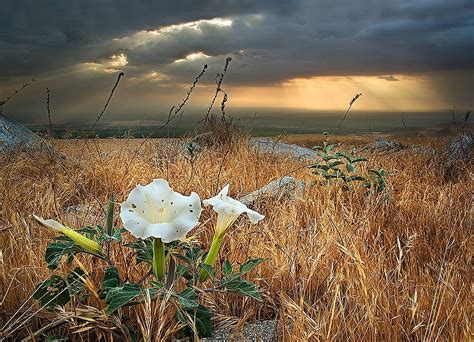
pixel 261 122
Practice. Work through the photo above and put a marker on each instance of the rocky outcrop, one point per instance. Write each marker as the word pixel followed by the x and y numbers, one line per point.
pixel 16 137
pixel 284 187
pixel 387 145
pixel 266 145
pixel 457 156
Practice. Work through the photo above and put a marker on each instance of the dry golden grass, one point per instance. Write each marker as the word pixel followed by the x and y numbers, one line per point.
pixel 341 266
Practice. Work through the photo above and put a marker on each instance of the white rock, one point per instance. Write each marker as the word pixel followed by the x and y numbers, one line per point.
pixel 271 146
pixel 15 137
pixel 287 186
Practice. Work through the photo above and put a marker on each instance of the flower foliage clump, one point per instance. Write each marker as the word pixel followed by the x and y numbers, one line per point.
pixel 342 167
pixel 159 218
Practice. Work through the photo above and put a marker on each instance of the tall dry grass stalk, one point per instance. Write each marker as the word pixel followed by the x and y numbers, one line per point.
pixel 341 266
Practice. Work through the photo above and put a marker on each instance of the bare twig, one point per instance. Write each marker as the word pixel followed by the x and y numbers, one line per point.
pixel 466 116
pixel 48 108
pixel 108 101
pixel 17 91
pixel 404 124
pixel 174 111
pixel 354 99
pixel 101 114
pixel 145 276
pixel 219 80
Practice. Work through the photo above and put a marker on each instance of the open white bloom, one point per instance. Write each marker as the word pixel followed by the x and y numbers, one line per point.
pixel 228 210
pixel 156 210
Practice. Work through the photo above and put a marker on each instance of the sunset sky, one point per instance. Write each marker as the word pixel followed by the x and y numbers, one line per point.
pixel 402 55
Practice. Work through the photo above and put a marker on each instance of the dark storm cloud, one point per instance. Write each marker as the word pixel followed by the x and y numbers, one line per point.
pixel 323 38
pixel 271 41
pixel 43 35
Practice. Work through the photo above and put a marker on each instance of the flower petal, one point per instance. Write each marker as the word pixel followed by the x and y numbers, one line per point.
pixel 254 216
pixel 187 206
pixel 50 223
pixel 136 224
pixel 211 201
pixel 167 232
pixel 137 202
pixel 223 193
pixel 229 209
pixel 158 192
pixel 156 210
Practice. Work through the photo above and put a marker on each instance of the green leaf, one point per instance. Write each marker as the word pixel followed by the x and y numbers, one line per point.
pixel 320 167
pixel 350 167
pixel 200 318
pixel 327 157
pixel 116 236
pixel 209 270
pixel 91 232
pixel 227 267
pixel 344 155
pixel 356 178
pixel 188 298
pixel 155 289
pixel 192 253
pixel 243 287
pixel 335 163
pixel 143 250
pixel 359 159
pixel 56 250
pixel 75 281
pixel 111 280
pixel 182 271
pixel 249 265
pixel 376 172
pixel 203 321
pixel 119 296
pixel 52 292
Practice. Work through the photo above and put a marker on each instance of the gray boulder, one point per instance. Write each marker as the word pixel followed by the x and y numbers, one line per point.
pixel 387 145
pixel 276 147
pixel 460 148
pixel 457 157
pixel 16 137
pixel 284 187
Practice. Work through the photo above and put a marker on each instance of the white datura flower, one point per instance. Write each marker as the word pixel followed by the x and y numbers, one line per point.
pixel 156 210
pixel 228 210
pixel 87 244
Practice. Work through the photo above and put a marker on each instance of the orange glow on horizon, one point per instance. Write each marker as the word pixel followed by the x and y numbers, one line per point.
pixel 335 92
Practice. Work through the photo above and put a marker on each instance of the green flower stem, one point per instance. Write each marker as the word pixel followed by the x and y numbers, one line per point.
pixel 110 216
pixel 159 259
pixel 211 255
